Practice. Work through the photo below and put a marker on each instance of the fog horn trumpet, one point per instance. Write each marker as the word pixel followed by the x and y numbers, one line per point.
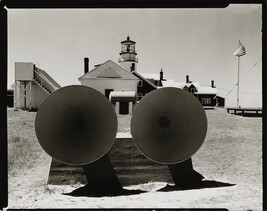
pixel 168 126
pixel 77 125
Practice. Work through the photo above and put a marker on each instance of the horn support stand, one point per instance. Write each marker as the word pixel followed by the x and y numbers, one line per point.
pixel 77 125
pixel 184 176
pixel 101 181
pixel 174 126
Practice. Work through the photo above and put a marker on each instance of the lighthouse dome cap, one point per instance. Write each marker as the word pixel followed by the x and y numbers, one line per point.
pixel 128 41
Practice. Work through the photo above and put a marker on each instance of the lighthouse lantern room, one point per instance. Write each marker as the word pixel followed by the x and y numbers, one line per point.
pixel 128 54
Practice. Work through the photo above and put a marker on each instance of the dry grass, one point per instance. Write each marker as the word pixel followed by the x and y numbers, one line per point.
pixel 24 152
pixel 231 153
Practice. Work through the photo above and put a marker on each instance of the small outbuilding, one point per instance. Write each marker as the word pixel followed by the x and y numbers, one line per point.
pixel 32 85
pixel 124 102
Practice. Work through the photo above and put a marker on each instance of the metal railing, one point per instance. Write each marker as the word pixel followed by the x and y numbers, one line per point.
pixel 128 60
pixel 44 82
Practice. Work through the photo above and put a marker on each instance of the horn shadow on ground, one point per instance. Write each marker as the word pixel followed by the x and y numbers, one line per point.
pixel 183 174
pixel 186 178
pixel 198 185
pixel 87 191
pixel 102 192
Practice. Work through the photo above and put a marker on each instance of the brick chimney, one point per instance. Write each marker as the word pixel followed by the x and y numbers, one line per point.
pixel 86 65
pixel 187 79
pixel 212 84
pixel 133 67
pixel 161 75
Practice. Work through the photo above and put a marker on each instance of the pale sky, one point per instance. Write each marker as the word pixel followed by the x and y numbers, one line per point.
pixel 195 42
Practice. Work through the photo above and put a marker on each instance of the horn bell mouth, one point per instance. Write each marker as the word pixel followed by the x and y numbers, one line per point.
pixel 169 125
pixel 76 125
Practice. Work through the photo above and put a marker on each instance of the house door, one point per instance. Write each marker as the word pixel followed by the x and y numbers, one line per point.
pixel 124 108
pixel 107 92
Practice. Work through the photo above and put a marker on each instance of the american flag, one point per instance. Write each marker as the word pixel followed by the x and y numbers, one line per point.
pixel 240 51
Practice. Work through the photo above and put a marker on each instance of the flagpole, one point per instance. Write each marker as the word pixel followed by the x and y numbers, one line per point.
pixel 240 51
pixel 238 64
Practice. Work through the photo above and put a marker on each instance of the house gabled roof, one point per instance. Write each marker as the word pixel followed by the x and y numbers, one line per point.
pixel 109 69
pixel 193 86
pixel 144 79
pixel 169 83
pixel 109 73
pixel 181 85
pixel 151 76
pixel 207 90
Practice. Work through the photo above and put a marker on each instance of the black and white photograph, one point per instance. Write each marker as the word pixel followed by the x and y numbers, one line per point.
pixel 135 108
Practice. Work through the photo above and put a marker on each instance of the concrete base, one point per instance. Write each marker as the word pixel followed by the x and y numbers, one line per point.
pixel 128 162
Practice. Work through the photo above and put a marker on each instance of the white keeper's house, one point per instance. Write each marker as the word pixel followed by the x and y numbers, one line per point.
pixel 113 81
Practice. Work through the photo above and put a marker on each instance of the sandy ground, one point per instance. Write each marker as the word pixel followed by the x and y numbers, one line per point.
pixel 231 153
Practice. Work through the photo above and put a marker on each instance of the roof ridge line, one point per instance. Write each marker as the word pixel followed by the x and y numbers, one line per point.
pixel 91 70
pixel 143 78
pixel 109 69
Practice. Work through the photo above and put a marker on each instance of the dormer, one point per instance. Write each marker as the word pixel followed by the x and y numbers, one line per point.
pixel 192 89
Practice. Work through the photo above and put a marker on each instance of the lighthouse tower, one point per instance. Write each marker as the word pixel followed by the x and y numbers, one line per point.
pixel 128 58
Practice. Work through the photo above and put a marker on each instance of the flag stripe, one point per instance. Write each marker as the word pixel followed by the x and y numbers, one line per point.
pixel 240 51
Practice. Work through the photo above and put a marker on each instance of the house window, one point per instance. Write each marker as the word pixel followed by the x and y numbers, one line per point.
pixel 209 101
pixel 139 96
pixel 140 84
pixel 192 90
pixel 185 88
pixel 206 101
pixel 107 92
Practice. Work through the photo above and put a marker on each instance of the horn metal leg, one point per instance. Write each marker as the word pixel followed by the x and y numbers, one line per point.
pixel 184 175
pixel 102 181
